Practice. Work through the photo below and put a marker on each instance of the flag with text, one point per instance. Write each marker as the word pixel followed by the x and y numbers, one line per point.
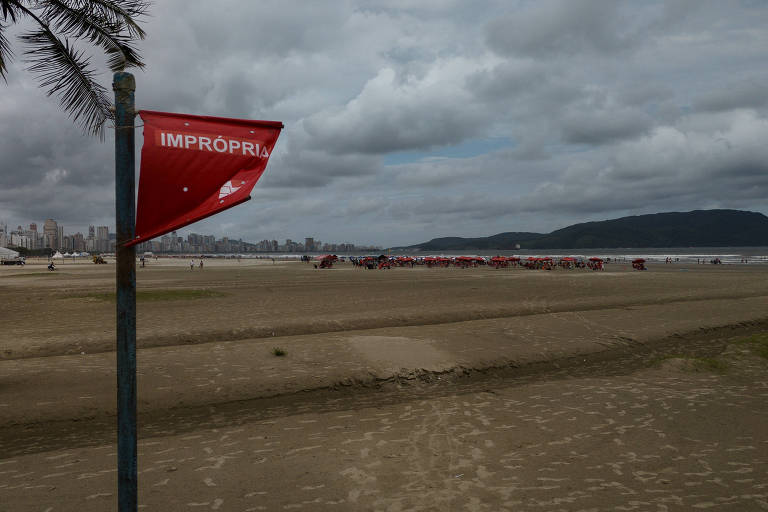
pixel 193 167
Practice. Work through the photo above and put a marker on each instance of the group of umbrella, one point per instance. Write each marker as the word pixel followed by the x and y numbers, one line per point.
pixel 532 262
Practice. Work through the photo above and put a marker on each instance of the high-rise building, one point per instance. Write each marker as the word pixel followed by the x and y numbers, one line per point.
pixel 102 238
pixel 51 234
pixel 18 239
pixel 309 244
pixel 78 242
pixel 33 227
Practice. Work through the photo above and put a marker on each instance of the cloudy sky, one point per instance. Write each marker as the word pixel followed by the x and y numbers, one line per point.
pixel 407 120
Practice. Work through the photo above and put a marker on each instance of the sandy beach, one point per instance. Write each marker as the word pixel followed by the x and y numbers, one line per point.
pixel 402 389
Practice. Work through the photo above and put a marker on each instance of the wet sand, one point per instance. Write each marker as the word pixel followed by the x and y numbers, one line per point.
pixel 409 389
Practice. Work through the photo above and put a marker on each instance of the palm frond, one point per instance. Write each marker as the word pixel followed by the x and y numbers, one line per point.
pixel 5 53
pixel 118 12
pixel 67 74
pixel 80 23
pixel 8 8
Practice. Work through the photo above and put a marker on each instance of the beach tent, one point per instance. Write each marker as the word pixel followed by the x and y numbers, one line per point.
pixel 327 260
pixel 57 256
pixel 8 254
pixel 595 263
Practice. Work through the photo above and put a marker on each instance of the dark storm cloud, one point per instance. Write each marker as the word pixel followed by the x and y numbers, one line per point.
pixel 309 173
pixel 48 168
pixel 752 93
pixel 563 28
pixel 597 126
pixel 667 167
pixel 639 94
pixel 306 168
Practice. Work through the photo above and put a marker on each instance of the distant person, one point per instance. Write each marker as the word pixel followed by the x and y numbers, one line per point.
pixel 191 264
pixel 201 264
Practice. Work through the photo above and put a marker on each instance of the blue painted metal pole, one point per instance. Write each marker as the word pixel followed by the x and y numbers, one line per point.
pixel 124 86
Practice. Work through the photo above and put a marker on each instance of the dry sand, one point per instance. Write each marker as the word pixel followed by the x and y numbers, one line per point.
pixel 408 389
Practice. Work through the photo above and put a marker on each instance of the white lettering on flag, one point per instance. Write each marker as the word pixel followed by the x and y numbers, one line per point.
pixel 221 144
pixel 174 141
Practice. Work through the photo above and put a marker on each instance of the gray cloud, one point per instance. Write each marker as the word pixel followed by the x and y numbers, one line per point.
pixel 751 93
pixel 393 112
pixel 563 28
pixel 596 126
pixel 387 117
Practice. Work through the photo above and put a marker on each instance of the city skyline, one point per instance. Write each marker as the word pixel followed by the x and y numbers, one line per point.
pixel 101 239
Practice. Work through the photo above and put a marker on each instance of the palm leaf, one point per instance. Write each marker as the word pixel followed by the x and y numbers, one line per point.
pixel 5 53
pixel 81 23
pixel 62 70
pixel 118 12
pixel 67 74
pixel 8 9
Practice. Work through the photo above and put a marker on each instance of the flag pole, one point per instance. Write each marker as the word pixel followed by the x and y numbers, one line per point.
pixel 124 86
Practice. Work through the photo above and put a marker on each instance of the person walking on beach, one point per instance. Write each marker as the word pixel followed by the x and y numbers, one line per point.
pixel 191 264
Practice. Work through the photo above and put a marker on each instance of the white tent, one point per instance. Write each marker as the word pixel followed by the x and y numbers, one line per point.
pixel 7 254
pixel 57 256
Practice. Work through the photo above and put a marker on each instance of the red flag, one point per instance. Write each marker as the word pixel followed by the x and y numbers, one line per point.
pixel 194 166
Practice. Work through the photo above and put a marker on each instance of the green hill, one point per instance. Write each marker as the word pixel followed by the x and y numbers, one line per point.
pixel 700 228
pixel 488 242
